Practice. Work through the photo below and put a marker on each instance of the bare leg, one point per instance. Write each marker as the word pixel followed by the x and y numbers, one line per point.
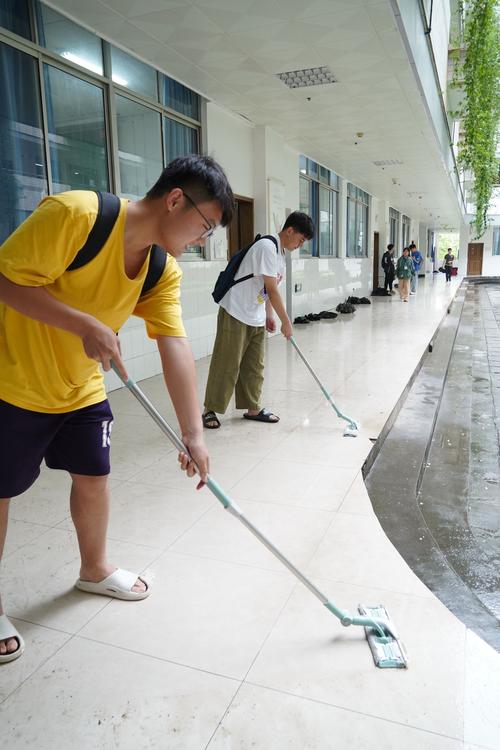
pixel 90 514
pixel 11 645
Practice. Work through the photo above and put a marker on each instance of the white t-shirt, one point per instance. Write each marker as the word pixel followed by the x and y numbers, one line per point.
pixel 246 301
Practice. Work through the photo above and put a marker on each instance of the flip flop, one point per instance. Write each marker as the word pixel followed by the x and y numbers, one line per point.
pixel 210 416
pixel 118 585
pixel 7 630
pixel 262 416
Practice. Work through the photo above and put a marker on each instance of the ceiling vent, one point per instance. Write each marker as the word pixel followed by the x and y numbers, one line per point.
pixel 388 163
pixel 296 79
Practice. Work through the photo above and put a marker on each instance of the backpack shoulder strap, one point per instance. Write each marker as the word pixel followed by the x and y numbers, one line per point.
pixel 268 237
pixel 107 214
pixel 157 262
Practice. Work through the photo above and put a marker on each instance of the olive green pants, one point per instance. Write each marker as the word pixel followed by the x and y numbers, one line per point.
pixel 237 365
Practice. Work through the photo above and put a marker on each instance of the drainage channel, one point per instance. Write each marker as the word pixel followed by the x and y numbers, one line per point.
pixel 433 475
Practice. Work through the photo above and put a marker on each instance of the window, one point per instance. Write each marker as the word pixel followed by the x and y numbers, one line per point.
pixel 14 16
pixel 179 98
pixel 22 157
pixel 496 241
pixel 65 38
pixel 406 231
pixel 357 222
pixel 133 74
pixel 179 139
pixel 139 147
pixel 394 217
pixel 318 188
pixel 77 134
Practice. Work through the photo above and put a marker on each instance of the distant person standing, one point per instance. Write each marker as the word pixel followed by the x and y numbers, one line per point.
pixel 448 263
pixel 404 272
pixel 389 269
pixel 417 259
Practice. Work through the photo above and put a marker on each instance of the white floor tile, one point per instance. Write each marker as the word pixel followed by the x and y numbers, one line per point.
pixel 260 718
pixel 482 693
pixel 38 581
pixel 92 696
pixel 218 535
pixel 41 644
pixel 310 654
pixel 203 613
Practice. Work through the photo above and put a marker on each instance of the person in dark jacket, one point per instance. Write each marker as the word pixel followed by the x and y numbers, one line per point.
pixel 389 269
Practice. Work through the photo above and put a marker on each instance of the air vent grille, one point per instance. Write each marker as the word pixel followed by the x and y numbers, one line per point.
pixel 296 79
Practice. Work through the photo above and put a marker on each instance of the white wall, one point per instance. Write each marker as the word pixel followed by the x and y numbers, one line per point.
pixel 491 263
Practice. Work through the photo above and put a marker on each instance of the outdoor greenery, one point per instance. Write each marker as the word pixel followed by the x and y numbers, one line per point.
pixel 478 73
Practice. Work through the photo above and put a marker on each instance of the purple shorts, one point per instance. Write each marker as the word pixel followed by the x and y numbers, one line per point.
pixel 77 441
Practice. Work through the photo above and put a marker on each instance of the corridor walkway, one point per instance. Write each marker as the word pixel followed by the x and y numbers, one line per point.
pixel 230 652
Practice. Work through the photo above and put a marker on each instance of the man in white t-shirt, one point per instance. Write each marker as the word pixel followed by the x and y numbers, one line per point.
pixel 246 312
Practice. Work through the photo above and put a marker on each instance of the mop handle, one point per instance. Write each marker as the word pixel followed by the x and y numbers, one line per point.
pixel 323 389
pixel 344 617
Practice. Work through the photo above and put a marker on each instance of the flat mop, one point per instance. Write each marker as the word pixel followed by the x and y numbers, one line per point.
pixel 387 649
pixel 352 427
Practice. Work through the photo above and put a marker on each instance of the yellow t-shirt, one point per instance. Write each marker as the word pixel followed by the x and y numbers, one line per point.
pixel 43 368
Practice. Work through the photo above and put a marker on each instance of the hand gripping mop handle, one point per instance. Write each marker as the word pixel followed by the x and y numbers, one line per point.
pixel 352 424
pixel 380 625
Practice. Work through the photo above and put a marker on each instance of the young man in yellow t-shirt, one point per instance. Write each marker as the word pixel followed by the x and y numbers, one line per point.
pixel 58 325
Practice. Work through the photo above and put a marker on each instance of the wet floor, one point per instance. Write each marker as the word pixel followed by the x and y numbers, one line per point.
pixel 444 513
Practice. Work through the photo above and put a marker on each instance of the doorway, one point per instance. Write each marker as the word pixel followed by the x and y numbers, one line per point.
pixel 240 232
pixel 375 260
pixel 475 258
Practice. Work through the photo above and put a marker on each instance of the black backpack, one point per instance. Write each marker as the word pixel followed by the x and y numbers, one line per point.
pixel 107 214
pixel 226 279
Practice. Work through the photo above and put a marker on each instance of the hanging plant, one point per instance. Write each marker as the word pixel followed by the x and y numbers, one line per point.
pixel 478 73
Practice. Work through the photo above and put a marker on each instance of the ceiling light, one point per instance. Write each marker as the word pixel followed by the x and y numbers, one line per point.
pixel 388 163
pixel 295 79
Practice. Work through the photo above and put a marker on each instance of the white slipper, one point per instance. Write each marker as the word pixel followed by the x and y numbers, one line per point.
pixel 118 585
pixel 7 630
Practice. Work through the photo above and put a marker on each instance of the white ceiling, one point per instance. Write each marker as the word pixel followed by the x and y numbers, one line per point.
pixel 230 51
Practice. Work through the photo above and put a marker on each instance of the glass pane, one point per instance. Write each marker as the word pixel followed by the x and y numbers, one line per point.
pixel 361 230
pixel 351 228
pixel 334 181
pixel 77 133
pixel 312 168
pixel 139 147
pixel 325 222
pixel 179 139
pixel 335 226
pixel 22 159
pixel 14 16
pixel 134 74
pixel 305 206
pixel 181 99
pixel 324 175
pixel 302 164
pixel 69 40
pixel 496 241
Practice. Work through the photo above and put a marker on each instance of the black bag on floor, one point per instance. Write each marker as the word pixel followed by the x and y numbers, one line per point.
pixel 345 307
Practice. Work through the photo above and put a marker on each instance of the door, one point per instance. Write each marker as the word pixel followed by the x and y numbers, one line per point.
pixel 376 269
pixel 475 259
pixel 240 230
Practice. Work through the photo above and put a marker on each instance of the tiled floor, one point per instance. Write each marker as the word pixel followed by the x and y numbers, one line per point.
pixel 230 652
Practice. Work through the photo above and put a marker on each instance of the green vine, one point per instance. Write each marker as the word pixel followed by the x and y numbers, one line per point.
pixel 479 75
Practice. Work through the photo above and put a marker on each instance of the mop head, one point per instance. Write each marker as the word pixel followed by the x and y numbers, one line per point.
pixel 387 650
pixel 351 430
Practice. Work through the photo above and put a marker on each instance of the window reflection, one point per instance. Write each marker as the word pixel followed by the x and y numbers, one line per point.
pixel 139 144
pixel 69 40
pixel 77 134
pixel 23 176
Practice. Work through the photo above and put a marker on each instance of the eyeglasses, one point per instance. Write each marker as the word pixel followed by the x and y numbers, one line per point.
pixel 208 232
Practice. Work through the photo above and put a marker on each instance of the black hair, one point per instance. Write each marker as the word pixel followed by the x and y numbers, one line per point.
pixel 390 246
pixel 301 223
pixel 410 247
pixel 202 178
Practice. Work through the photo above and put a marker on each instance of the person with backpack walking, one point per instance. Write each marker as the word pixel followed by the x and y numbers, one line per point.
pixel 246 312
pixel 404 272
pixel 389 269
pixel 59 321
pixel 417 259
